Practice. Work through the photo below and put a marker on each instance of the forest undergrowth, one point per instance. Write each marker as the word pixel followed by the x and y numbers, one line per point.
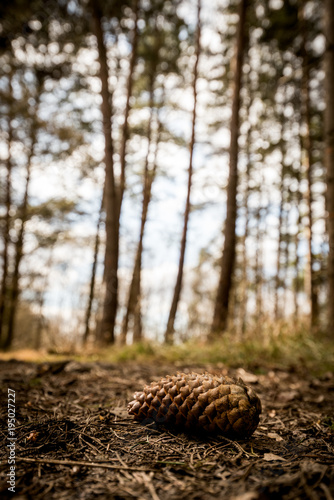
pixel 272 345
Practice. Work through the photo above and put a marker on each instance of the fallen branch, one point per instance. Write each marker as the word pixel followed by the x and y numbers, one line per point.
pixel 78 463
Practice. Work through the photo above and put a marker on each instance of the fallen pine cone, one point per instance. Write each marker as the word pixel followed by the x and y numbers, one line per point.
pixel 199 403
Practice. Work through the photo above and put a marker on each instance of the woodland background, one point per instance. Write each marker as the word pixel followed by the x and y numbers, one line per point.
pixel 167 172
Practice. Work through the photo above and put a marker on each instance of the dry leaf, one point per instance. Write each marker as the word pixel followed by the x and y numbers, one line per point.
pixel 316 399
pixel 270 457
pixel 247 377
pixel 274 435
pixel 250 495
pixel 287 396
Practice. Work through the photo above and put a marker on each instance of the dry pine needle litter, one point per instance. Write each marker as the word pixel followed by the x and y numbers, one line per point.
pixel 199 403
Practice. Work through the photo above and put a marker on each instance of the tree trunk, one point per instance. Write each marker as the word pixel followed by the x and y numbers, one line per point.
pixel 113 189
pixel 277 311
pixel 41 321
pixel 308 160
pixel 329 151
pixel 93 275
pixel 6 230
pixel 258 278
pixel 299 197
pixel 15 278
pixel 287 240
pixel 125 131
pixel 178 285
pixel 106 332
pixel 219 323
pixel 244 280
pixel 134 289
pixel 133 309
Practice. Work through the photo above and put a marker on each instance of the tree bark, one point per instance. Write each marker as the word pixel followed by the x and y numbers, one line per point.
pixel 6 230
pixel 93 275
pixel 277 310
pixel 299 225
pixel 125 132
pixel 220 316
pixel 258 278
pixel 308 160
pixel 41 320
pixel 244 281
pixel 287 240
pixel 133 308
pixel 178 285
pixel 113 189
pixel 106 331
pixel 329 151
pixel 15 278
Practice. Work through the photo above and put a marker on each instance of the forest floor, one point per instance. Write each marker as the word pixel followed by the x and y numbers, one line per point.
pixel 74 439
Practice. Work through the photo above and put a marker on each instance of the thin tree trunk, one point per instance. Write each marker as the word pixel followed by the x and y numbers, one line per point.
pixel 277 311
pixel 244 290
pixel 106 332
pixel 6 231
pixel 329 151
pixel 259 261
pixel 15 278
pixel 125 132
pixel 137 317
pixel 133 301
pixel 40 302
pixel 178 285
pixel 308 149
pixel 220 316
pixel 286 253
pixel 113 190
pixel 297 259
pixel 93 275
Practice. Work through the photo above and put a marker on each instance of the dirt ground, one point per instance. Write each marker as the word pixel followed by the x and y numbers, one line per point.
pixel 74 438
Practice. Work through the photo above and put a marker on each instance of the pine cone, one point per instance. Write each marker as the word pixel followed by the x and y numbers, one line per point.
pixel 199 403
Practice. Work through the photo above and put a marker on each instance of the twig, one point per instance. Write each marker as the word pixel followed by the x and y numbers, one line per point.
pixel 151 489
pixel 167 462
pixel 83 463
pixel 236 445
pixel 326 491
pixel 90 437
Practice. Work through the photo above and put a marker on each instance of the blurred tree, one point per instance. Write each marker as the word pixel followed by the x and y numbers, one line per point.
pixel 22 217
pixel 308 161
pixel 178 285
pixel 329 151
pixel 219 322
pixel 244 265
pixel 6 221
pixel 279 281
pixel 159 52
pixel 28 38
pixel 114 188
pixel 291 30
pixel 133 305
pixel 93 274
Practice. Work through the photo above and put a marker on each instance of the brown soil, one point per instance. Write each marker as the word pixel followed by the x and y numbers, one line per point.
pixel 74 438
